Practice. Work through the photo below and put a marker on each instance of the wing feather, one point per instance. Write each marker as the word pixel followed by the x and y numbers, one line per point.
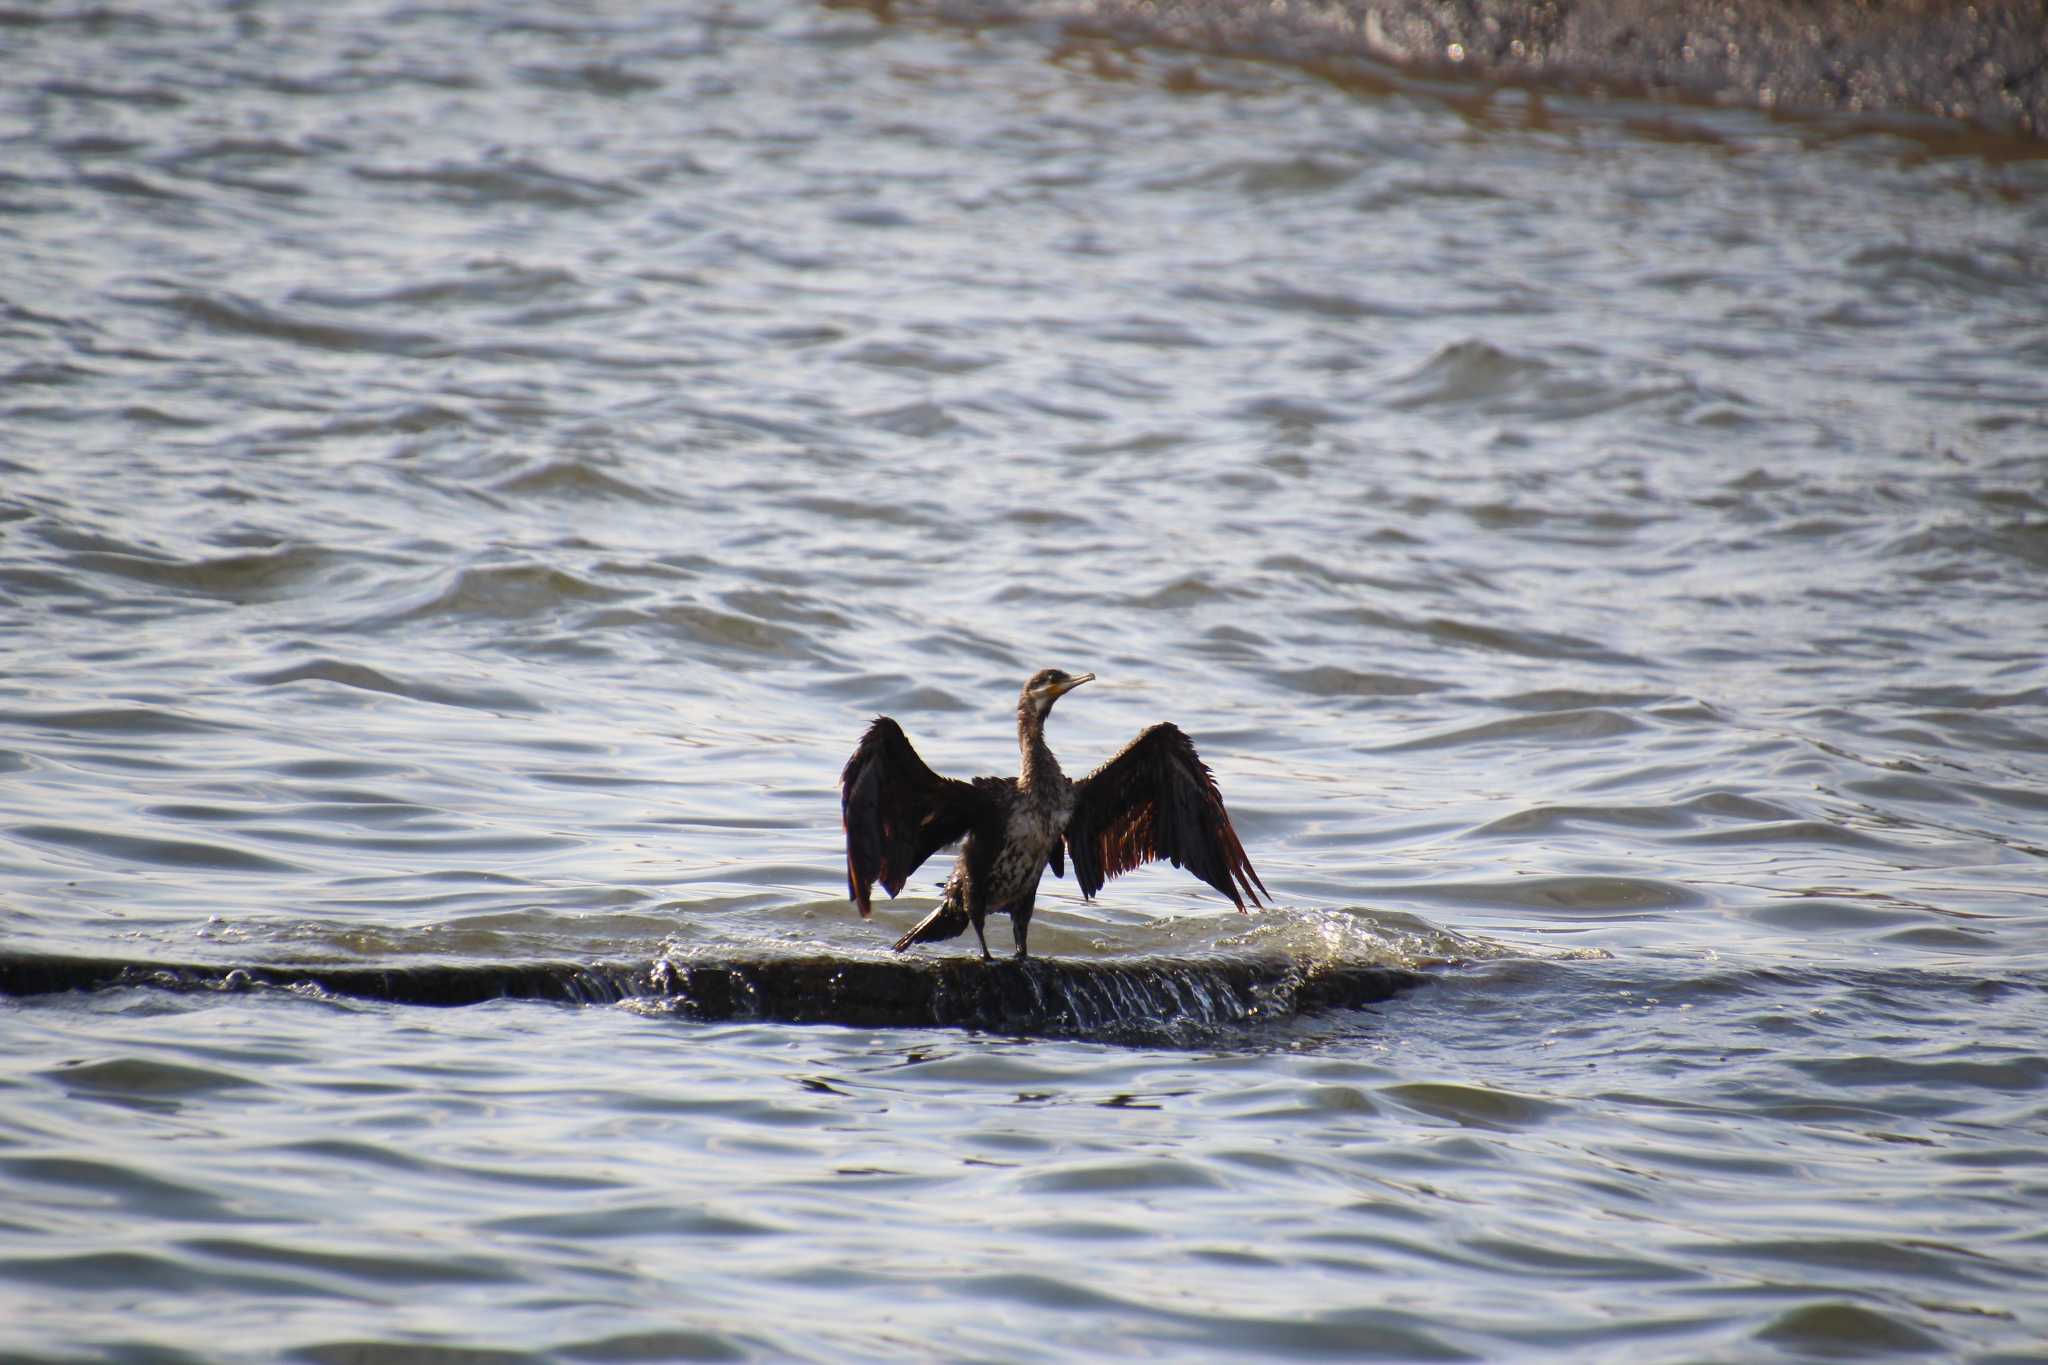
pixel 897 812
pixel 1155 800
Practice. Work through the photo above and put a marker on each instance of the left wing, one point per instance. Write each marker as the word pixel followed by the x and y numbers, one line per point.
pixel 898 812
pixel 1157 799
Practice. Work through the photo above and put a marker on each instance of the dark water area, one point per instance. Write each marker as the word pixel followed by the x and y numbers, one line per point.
pixel 467 480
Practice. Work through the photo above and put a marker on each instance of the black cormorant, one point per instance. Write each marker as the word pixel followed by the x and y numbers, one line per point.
pixel 1156 799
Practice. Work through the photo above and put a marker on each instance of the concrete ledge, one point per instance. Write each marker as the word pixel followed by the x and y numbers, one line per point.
pixel 1156 999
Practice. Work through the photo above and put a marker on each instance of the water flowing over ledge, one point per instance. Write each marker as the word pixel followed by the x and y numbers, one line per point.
pixel 1154 997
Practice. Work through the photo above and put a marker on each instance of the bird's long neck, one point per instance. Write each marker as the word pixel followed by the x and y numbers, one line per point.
pixel 1040 768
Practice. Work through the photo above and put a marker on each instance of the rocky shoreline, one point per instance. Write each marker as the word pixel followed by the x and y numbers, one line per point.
pixel 1983 65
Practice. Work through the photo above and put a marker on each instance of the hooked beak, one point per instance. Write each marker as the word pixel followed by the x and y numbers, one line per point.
pixel 1061 689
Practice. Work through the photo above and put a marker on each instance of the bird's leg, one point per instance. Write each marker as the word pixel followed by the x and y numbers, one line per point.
pixel 1020 920
pixel 978 933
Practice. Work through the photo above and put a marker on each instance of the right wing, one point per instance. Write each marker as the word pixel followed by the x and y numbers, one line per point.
pixel 1157 799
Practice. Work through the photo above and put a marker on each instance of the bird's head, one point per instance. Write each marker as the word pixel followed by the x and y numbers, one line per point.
pixel 1047 686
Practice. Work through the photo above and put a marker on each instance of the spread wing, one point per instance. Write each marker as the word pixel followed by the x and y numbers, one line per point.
pixel 897 812
pixel 1157 799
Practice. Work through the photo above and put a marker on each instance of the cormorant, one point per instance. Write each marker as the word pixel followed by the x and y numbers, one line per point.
pixel 1156 799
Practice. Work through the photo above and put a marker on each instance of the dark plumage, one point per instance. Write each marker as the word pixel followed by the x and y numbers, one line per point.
pixel 1156 799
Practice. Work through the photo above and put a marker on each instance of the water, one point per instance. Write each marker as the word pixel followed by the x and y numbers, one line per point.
pixel 466 480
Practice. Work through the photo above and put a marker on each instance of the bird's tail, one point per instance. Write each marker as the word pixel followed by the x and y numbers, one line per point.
pixel 948 921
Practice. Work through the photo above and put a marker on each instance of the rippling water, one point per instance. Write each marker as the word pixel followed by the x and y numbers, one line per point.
pixel 467 479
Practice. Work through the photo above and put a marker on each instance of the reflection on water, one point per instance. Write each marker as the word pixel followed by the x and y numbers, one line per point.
pixel 469 479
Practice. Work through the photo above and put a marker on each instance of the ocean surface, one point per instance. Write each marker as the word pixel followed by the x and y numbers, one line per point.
pixel 468 475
